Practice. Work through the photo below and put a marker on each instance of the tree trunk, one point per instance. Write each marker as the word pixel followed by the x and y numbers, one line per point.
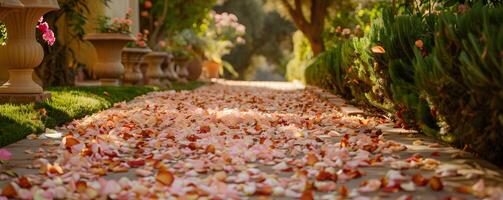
pixel 314 27
pixel 317 45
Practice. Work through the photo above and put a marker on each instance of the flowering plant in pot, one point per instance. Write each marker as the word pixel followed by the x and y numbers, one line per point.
pixel 132 57
pixel 222 33
pixel 111 37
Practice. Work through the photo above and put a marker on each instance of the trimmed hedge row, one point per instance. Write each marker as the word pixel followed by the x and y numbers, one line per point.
pixel 438 73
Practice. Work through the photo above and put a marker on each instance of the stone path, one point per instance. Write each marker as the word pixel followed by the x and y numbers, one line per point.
pixel 239 140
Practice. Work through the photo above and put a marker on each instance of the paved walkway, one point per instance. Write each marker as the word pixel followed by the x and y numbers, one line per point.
pixel 239 140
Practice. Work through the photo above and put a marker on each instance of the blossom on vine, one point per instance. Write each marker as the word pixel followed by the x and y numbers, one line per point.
pixel 47 34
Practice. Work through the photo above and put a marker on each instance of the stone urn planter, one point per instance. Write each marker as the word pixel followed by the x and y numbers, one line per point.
pixel 154 70
pixel 195 68
pixel 170 70
pixel 212 68
pixel 180 69
pixel 132 59
pixel 108 46
pixel 167 72
pixel 23 53
pixel 8 5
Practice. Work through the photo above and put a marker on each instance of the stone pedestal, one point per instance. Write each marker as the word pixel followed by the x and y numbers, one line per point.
pixel 166 80
pixel 154 71
pixel 132 59
pixel 108 68
pixel 181 70
pixel 23 53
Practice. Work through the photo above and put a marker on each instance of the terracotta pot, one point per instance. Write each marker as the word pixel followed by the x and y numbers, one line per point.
pixel 132 59
pixel 23 53
pixel 195 68
pixel 212 68
pixel 8 5
pixel 108 46
pixel 154 70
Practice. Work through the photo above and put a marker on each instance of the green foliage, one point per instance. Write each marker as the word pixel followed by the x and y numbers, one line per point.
pixel 439 73
pixel 462 78
pixel 266 35
pixel 3 34
pixel 398 34
pixel 302 57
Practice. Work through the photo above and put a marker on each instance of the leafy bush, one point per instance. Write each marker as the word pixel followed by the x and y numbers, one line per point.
pixel 438 73
pixel 462 78
pixel 397 35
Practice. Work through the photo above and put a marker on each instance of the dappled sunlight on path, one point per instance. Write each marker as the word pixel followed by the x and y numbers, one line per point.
pixel 235 140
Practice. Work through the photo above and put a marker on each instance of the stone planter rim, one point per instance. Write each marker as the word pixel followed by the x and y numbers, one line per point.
pixel 137 50
pixel 108 36
pixel 157 54
pixel 40 4
pixel 11 4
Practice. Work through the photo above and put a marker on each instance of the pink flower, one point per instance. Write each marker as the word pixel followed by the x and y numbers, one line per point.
pixel 5 154
pixel 43 27
pixel 48 36
pixel 162 44
pixel 141 43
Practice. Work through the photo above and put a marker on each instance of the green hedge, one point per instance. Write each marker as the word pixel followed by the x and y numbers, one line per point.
pixel 439 73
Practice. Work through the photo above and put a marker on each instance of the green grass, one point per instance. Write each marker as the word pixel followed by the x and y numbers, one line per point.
pixel 67 104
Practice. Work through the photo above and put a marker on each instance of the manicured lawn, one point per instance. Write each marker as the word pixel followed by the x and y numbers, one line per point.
pixel 67 103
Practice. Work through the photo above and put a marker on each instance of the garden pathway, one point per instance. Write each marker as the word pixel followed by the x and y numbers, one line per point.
pixel 242 140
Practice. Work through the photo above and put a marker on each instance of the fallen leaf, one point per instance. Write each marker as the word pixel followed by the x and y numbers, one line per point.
pixel 307 195
pixel 81 186
pixel 435 183
pixel 143 172
pixel 210 149
pixel 419 44
pixel 165 177
pixel 9 191
pixel 343 191
pixel 311 159
pixel 136 163
pixel 419 180
pixel 378 49
pixel 24 182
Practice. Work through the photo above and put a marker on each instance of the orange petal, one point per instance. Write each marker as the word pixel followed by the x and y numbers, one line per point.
pixel 436 184
pixel 9 191
pixel 311 159
pixel 307 195
pixel 24 182
pixel 165 177
pixel 378 49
